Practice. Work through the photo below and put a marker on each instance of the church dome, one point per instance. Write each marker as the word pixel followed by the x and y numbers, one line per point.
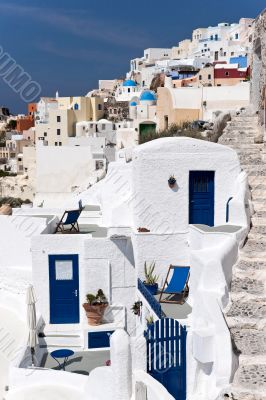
pixel 133 104
pixel 148 95
pixel 129 83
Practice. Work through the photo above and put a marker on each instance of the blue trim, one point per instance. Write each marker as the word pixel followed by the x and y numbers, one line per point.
pixel 97 340
pixel 154 304
pixel 228 208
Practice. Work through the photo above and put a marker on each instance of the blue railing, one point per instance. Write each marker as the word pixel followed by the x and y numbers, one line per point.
pixel 228 208
pixel 154 304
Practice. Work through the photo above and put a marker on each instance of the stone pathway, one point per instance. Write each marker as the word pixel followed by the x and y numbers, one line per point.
pixel 246 317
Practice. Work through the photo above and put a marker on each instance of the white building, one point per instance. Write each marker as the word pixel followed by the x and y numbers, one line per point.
pixel 111 254
pixel 218 43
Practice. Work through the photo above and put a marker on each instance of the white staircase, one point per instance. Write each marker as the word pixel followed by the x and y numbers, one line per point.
pixel 69 339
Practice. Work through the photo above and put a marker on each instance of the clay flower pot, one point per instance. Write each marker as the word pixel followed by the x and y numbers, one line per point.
pixel 94 313
pixel 6 209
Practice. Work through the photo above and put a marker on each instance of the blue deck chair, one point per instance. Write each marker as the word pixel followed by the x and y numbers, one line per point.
pixel 177 286
pixel 69 221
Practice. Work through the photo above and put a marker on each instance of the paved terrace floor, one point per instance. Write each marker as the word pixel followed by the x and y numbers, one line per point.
pixel 95 230
pixel 173 310
pixel 82 362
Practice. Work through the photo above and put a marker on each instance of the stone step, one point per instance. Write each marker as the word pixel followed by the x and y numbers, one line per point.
pixel 250 266
pixel 257 221
pixel 251 376
pixel 247 311
pixel 249 341
pixel 248 159
pixel 254 181
pixel 247 147
pixel 260 215
pixel 261 186
pixel 258 230
pixel 254 248
pixel 247 285
pixel 259 205
pixel 252 171
pixel 232 141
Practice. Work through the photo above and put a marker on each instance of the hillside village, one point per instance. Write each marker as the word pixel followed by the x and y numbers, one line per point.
pixel 133 222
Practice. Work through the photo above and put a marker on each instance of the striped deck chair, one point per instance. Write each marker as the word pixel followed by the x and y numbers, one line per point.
pixel 69 221
pixel 177 286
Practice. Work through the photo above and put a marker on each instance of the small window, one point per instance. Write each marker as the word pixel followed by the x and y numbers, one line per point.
pixel 60 143
pixel 209 76
pixel 55 143
pixel 103 127
pixel 58 131
pixel 225 54
pixel 99 107
pixel 76 106
pixel 128 90
pixel 44 133
pixel 200 77
pixel 64 270
pixel 58 118
pixel 237 36
pixel 227 73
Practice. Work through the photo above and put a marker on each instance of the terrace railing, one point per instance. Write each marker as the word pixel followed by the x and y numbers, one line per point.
pixel 154 304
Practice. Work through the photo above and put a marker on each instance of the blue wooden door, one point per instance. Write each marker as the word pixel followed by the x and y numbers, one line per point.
pixel 166 355
pixel 64 289
pixel 201 197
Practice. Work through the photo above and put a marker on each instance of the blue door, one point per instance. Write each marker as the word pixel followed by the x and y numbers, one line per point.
pixel 64 289
pixel 166 355
pixel 201 197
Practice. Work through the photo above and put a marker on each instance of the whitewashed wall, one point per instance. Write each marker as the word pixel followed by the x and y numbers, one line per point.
pixel 59 169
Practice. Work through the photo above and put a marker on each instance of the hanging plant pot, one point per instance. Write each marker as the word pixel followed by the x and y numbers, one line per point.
pixel 172 181
pixel 136 308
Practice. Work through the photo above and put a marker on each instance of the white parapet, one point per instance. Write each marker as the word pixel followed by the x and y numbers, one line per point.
pixel 121 365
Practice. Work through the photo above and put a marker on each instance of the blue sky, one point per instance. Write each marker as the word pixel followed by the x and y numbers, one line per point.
pixel 69 45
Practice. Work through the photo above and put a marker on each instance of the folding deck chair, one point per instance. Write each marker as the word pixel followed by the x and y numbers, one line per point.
pixel 69 221
pixel 177 286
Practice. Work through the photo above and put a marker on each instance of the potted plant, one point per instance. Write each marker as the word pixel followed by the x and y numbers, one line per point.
pixel 136 308
pixel 150 278
pixel 149 320
pixel 95 307
pixel 27 204
pixel 171 181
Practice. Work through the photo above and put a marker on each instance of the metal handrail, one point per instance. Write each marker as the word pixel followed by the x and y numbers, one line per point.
pixel 228 208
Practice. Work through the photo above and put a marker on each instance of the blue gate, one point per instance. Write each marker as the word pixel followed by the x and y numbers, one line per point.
pixel 166 355
pixel 201 197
